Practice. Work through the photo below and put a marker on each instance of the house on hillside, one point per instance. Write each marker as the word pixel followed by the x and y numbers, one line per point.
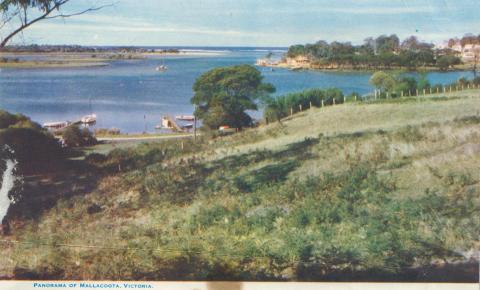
pixel 470 51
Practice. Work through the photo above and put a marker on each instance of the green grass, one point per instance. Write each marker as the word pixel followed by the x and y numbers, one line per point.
pixel 331 193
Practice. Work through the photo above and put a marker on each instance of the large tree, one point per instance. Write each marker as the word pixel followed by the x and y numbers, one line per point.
pixel 18 15
pixel 223 95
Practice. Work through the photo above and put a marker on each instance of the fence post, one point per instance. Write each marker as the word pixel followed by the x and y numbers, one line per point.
pixel 322 103
pixel 430 90
pixel 344 99
pixel 424 92
pixel 291 111
pixel 300 106
pixel 333 101
pixel 417 92
pixel 402 94
pixel 355 97
pixel 310 105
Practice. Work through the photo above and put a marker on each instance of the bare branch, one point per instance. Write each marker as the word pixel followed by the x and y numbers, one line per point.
pixel 9 18
pixel 47 14
pixel 25 25
pixel 79 13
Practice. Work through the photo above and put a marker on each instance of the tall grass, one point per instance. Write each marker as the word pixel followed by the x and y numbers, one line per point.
pixel 261 215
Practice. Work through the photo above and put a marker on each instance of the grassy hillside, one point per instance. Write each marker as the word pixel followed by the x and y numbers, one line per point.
pixel 386 190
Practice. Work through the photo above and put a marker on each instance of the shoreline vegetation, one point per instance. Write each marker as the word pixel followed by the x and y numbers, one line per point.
pixel 346 69
pixel 381 53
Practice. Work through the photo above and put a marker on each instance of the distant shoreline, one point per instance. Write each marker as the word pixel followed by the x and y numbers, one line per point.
pixel 32 60
pixel 463 67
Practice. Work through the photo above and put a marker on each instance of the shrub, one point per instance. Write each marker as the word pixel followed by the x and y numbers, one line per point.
pixel 33 147
pixel 280 107
pixel 73 136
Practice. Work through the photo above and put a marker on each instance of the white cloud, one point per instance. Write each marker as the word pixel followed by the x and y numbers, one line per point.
pixel 378 10
pixel 119 24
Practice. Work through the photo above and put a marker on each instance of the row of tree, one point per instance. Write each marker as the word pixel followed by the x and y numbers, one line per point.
pixel 468 38
pixel 396 84
pixel 381 52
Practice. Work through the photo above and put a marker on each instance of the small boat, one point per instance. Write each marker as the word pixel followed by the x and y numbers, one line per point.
pixel 185 118
pixel 56 125
pixel 161 68
pixel 187 126
pixel 89 119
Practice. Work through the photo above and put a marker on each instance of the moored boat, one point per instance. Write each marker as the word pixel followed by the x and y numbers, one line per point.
pixel 185 117
pixel 89 119
pixel 187 126
pixel 56 125
pixel 161 68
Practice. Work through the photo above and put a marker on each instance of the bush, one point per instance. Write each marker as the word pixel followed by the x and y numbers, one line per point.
pixel 33 147
pixel 279 107
pixel 8 120
pixel 445 62
pixel 73 136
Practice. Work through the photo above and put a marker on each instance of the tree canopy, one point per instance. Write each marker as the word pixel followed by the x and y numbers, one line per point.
pixel 382 81
pixel 223 95
pixel 381 52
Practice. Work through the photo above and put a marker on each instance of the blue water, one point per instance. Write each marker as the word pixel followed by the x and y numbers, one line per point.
pixel 131 95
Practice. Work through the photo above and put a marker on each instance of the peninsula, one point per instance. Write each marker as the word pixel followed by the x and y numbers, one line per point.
pixel 384 52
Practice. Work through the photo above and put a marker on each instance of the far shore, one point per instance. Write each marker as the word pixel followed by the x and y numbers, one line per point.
pixel 51 64
pixel 334 68
pixel 82 59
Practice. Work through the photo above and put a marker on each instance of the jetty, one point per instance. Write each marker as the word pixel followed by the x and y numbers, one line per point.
pixel 85 120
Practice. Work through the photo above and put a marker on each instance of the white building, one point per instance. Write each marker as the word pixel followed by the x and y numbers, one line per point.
pixel 470 51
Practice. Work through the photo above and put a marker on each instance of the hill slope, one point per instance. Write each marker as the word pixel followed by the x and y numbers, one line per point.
pixel 381 191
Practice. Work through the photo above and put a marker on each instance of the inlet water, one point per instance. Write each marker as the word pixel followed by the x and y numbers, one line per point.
pixel 8 182
pixel 132 96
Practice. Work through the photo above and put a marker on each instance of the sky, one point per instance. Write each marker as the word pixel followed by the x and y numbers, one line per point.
pixel 254 22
